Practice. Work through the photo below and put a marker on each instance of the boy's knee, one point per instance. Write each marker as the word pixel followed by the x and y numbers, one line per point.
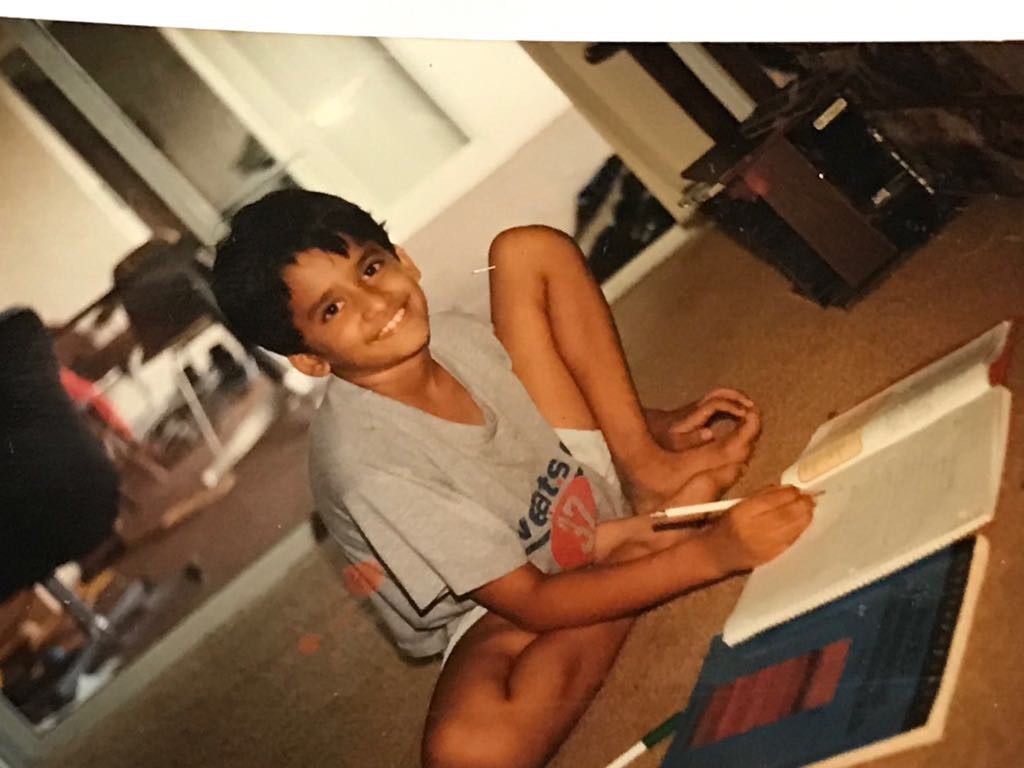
pixel 457 743
pixel 533 245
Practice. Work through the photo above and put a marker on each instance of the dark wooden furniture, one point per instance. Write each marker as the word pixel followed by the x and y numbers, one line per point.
pixel 804 181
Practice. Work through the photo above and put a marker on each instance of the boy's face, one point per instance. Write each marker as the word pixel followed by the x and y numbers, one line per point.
pixel 359 314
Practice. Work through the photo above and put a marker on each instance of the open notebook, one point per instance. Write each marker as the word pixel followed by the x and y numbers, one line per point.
pixel 865 676
pixel 906 472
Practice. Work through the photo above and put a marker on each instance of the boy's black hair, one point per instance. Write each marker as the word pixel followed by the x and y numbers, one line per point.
pixel 265 237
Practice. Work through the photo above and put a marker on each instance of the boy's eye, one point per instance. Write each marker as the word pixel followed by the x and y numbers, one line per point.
pixel 373 268
pixel 331 310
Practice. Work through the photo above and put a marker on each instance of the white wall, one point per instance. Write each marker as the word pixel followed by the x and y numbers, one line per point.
pixel 538 185
pixel 63 229
pixel 495 93
pixel 652 134
pixel 492 91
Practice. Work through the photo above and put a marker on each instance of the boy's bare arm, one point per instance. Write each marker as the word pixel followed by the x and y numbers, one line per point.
pixel 751 533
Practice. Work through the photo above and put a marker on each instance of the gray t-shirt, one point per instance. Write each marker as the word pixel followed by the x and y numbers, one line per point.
pixel 433 509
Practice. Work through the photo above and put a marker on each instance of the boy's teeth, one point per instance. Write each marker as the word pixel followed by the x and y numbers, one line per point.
pixel 393 322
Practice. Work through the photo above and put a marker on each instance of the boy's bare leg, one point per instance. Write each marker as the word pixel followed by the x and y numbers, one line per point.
pixel 551 316
pixel 508 697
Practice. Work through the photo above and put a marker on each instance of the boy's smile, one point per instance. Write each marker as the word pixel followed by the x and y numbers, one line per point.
pixel 360 314
pixel 393 323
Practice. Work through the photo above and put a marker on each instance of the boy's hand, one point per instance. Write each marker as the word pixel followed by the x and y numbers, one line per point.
pixel 710 418
pixel 734 448
pixel 761 527
pixel 697 475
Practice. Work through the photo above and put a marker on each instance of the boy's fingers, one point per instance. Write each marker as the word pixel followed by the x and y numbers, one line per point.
pixel 806 505
pixel 723 405
pixel 708 408
pixel 734 448
pixel 769 499
pixel 797 514
pixel 730 394
pixel 738 445
pixel 800 506
pixel 749 428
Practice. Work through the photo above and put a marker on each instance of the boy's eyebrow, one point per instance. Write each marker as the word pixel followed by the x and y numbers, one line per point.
pixel 369 251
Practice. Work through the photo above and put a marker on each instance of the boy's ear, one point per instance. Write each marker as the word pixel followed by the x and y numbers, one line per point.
pixel 407 261
pixel 309 364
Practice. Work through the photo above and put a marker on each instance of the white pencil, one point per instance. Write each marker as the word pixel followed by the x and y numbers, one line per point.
pixel 711 508
pixel 694 510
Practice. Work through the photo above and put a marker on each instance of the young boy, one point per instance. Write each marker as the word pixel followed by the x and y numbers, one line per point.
pixel 472 474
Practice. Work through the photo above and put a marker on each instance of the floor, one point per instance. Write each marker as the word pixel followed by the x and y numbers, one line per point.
pixel 190 562
pixel 304 677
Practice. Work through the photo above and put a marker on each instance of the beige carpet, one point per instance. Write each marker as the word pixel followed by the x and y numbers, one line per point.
pixel 304 679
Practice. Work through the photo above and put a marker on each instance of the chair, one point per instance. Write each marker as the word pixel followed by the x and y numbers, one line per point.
pixel 59 492
pixel 165 291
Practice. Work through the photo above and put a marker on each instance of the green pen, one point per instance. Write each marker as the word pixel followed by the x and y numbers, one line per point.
pixel 659 734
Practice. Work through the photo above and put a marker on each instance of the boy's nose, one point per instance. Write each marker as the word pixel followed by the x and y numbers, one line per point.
pixel 374 303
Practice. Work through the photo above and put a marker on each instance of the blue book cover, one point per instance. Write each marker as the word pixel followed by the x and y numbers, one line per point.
pixel 856 672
